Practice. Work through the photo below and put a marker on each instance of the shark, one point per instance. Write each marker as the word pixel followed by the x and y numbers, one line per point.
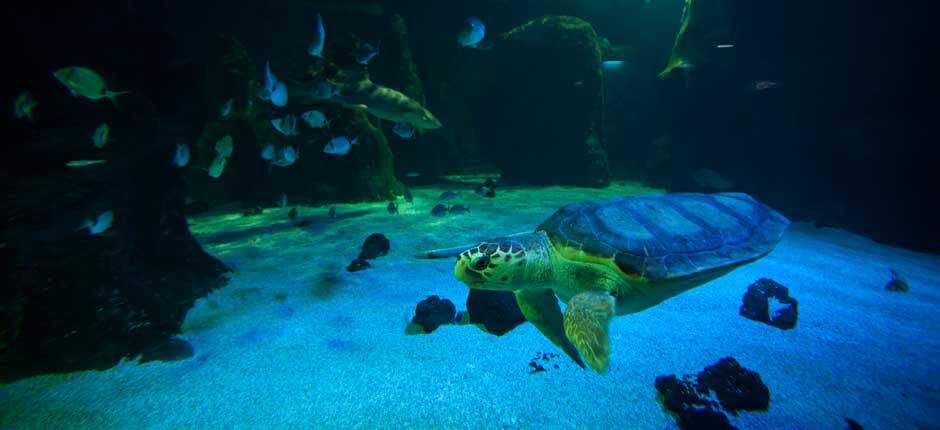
pixel 357 91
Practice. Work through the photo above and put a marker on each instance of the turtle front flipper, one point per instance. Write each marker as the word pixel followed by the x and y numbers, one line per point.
pixel 540 308
pixel 587 320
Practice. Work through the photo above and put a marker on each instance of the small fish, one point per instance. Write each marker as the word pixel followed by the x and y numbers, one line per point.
pixel 612 65
pixel 458 209
pixel 331 213
pixel 84 163
pixel 279 96
pixel 408 197
pixel 579 84
pixel 392 208
pixel 897 282
pixel 282 202
pixel 366 52
pixel 224 146
pixel 447 195
pixel 23 105
pixel 267 152
pixel 100 136
pixel 472 33
pixel 766 85
pixel 101 224
pixel 181 156
pixel 404 130
pixel 339 146
pixel 286 126
pixel 285 157
pixel 324 90
pixel 724 46
pixel 226 108
pixel 87 83
pixel 270 81
pixel 315 119
pixel 217 166
pixel 487 189
pixel 439 210
pixel 316 47
pixel 413 174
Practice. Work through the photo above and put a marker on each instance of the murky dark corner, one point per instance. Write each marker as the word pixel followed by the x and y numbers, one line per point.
pixel 506 214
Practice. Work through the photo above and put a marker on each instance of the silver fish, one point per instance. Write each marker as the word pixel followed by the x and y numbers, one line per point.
pixel 85 163
pixel 226 108
pixel 181 156
pixel 286 126
pixel 316 47
pixel 23 105
pixel 339 146
pixel 101 224
pixel 217 166
pixel 224 146
pixel 100 137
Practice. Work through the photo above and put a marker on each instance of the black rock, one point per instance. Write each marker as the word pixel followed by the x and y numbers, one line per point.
pixel 756 304
pixel 897 283
pixel 392 208
pixel 448 195
pixel 433 312
pixel 458 209
pixel 257 210
pixel 357 265
pixel 700 418
pixel 439 210
pixel 737 388
pixel 376 245
pixel 678 394
pixel 292 214
pixel 497 311
pixel 173 349
pixel 851 424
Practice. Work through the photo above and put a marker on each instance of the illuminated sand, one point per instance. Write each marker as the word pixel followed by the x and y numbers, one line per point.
pixel 295 341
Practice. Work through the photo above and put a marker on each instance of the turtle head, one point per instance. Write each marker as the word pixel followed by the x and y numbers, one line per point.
pixel 503 264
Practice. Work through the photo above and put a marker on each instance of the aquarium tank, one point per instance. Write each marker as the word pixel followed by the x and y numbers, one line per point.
pixel 469 214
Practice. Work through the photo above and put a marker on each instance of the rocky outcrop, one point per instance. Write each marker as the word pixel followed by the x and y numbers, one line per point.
pixel 540 114
pixel 72 300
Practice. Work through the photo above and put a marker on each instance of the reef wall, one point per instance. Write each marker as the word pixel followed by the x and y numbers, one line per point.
pixel 71 300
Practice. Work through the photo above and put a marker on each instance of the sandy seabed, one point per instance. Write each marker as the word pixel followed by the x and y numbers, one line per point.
pixel 296 341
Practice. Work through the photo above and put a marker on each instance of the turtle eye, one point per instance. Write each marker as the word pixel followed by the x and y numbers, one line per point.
pixel 480 262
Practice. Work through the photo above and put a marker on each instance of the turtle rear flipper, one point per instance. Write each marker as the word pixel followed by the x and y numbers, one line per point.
pixel 587 320
pixel 540 308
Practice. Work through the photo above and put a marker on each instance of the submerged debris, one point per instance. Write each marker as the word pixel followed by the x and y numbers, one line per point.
pixel 357 265
pixel 376 245
pixel 433 312
pixel 768 302
pixel 700 401
pixel 897 283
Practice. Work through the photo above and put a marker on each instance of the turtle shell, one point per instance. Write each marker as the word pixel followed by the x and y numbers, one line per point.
pixel 660 237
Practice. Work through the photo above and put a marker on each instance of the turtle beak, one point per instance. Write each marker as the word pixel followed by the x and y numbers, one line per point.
pixel 464 273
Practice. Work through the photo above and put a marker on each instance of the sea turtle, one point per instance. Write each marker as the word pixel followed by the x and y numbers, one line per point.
pixel 616 257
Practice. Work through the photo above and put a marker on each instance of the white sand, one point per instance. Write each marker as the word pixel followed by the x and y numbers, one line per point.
pixel 333 353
